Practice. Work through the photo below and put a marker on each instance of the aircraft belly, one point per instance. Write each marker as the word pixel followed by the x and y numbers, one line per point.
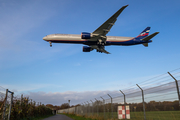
pixel 71 39
pixel 120 41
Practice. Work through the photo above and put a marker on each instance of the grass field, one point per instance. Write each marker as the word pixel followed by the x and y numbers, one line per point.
pixel 154 115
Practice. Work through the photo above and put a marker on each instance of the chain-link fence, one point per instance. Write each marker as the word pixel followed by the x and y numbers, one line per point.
pixel 155 99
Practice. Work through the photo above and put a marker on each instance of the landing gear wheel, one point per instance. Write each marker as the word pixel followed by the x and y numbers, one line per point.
pixel 50 44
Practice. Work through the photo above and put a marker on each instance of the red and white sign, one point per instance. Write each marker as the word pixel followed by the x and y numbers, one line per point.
pixel 121 112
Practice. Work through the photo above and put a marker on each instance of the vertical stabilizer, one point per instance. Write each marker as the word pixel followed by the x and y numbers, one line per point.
pixel 144 33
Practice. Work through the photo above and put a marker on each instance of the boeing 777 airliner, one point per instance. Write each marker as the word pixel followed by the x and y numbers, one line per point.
pixel 98 39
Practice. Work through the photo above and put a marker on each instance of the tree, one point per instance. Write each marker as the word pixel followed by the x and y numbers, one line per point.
pixel 65 105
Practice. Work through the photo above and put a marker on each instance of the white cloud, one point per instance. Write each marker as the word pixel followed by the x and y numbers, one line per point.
pixel 19 88
pixel 158 93
pixel 58 98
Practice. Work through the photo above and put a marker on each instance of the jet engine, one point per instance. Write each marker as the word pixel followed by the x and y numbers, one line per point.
pixel 85 35
pixel 87 49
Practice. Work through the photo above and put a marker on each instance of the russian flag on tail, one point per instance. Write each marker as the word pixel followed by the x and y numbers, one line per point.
pixel 144 33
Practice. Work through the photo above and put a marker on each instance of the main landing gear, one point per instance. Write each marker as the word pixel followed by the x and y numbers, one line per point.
pixel 100 42
pixel 100 48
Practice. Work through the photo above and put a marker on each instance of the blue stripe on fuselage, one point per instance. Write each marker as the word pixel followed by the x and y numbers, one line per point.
pixel 133 41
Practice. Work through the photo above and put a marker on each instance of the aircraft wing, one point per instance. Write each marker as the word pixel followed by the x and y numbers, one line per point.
pixel 106 26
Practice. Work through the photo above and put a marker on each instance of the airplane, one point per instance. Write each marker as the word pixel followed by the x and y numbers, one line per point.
pixel 98 39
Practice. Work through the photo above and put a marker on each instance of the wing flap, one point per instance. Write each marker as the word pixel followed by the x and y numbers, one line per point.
pixel 104 51
pixel 99 49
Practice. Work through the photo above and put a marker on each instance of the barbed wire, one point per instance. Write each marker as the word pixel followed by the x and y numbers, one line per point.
pixel 175 70
pixel 2 88
pixel 155 88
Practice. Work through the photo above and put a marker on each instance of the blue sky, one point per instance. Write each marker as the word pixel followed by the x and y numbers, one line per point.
pixel 28 65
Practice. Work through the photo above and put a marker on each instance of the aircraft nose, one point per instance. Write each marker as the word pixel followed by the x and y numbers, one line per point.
pixel 45 38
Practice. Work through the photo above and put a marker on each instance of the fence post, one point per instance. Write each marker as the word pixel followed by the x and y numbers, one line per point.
pixel 104 106
pixel 111 106
pixel 177 86
pixel 124 102
pixel 21 98
pixel 75 109
pixel 92 107
pixel 4 111
pixel 97 107
pixel 85 107
pixel 34 103
pixel 82 109
pixel 10 105
pixel 143 101
pixel 88 108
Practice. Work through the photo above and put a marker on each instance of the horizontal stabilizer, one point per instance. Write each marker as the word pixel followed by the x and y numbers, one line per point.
pixel 145 44
pixel 150 36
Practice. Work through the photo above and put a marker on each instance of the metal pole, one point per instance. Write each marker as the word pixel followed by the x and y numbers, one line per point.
pixel 34 103
pixel 69 102
pixel 104 106
pixel 124 102
pixel 85 107
pixel 111 106
pixel 143 101
pixel 10 105
pixel 177 86
pixel 4 112
pixel 92 106
pixel 97 106
pixel 21 98
pixel 88 108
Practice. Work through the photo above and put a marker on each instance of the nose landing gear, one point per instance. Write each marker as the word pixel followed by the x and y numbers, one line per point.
pixel 50 44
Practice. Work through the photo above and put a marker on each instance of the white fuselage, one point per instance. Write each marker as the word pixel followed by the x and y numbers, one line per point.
pixel 73 38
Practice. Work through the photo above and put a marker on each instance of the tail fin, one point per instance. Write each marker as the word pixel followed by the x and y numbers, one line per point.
pixel 144 33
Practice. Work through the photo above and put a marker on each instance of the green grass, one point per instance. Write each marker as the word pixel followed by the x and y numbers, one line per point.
pixel 153 115
pixel 163 115
pixel 75 117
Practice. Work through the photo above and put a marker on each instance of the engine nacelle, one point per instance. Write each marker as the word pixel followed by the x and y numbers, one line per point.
pixel 87 49
pixel 85 35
